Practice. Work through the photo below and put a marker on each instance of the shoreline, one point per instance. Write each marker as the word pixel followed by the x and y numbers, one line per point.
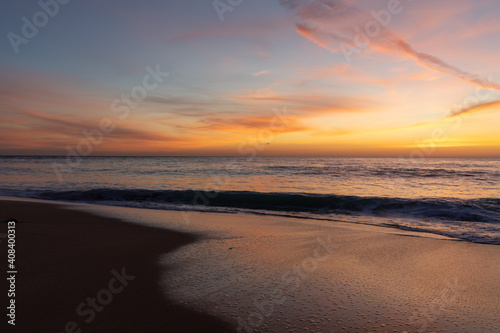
pixel 267 273
pixel 65 256
pixel 400 229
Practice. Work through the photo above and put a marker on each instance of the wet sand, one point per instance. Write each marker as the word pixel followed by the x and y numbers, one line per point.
pixel 255 273
pixel 65 256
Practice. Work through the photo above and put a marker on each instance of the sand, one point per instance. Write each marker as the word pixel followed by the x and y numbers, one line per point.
pixel 65 256
pixel 203 272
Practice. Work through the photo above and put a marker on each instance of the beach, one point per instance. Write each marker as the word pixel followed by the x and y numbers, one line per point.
pixel 65 257
pixel 213 272
pixel 250 166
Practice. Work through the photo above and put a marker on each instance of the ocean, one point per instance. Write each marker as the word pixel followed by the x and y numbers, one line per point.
pixel 459 198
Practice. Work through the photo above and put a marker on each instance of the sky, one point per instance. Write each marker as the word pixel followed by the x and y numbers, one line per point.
pixel 409 78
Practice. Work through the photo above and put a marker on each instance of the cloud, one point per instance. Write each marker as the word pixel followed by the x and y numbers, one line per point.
pixel 309 104
pixel 250 124
pixel 337 24
pixel 433 62
pixel 336 131
pixel 464 111
pixel 345 72
pixel 260 73
pixel 474 108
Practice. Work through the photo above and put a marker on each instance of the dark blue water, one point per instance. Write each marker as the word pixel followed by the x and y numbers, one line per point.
pixel 454 197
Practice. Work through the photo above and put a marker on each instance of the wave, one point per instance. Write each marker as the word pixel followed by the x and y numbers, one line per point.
pixel 476 220
pixel 485 210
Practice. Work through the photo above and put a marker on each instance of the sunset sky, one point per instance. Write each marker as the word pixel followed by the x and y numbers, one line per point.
pixel 294 78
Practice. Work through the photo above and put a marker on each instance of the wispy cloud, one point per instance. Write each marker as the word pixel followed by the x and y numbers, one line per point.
pixel 250 124
pixel 474 108
pixel 309 104
pixel 260 73
pixel 329 23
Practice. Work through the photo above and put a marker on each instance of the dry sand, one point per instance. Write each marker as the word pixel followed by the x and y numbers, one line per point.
pixel 256 273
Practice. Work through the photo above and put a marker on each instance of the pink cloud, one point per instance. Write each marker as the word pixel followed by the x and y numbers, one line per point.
pixel 333 23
